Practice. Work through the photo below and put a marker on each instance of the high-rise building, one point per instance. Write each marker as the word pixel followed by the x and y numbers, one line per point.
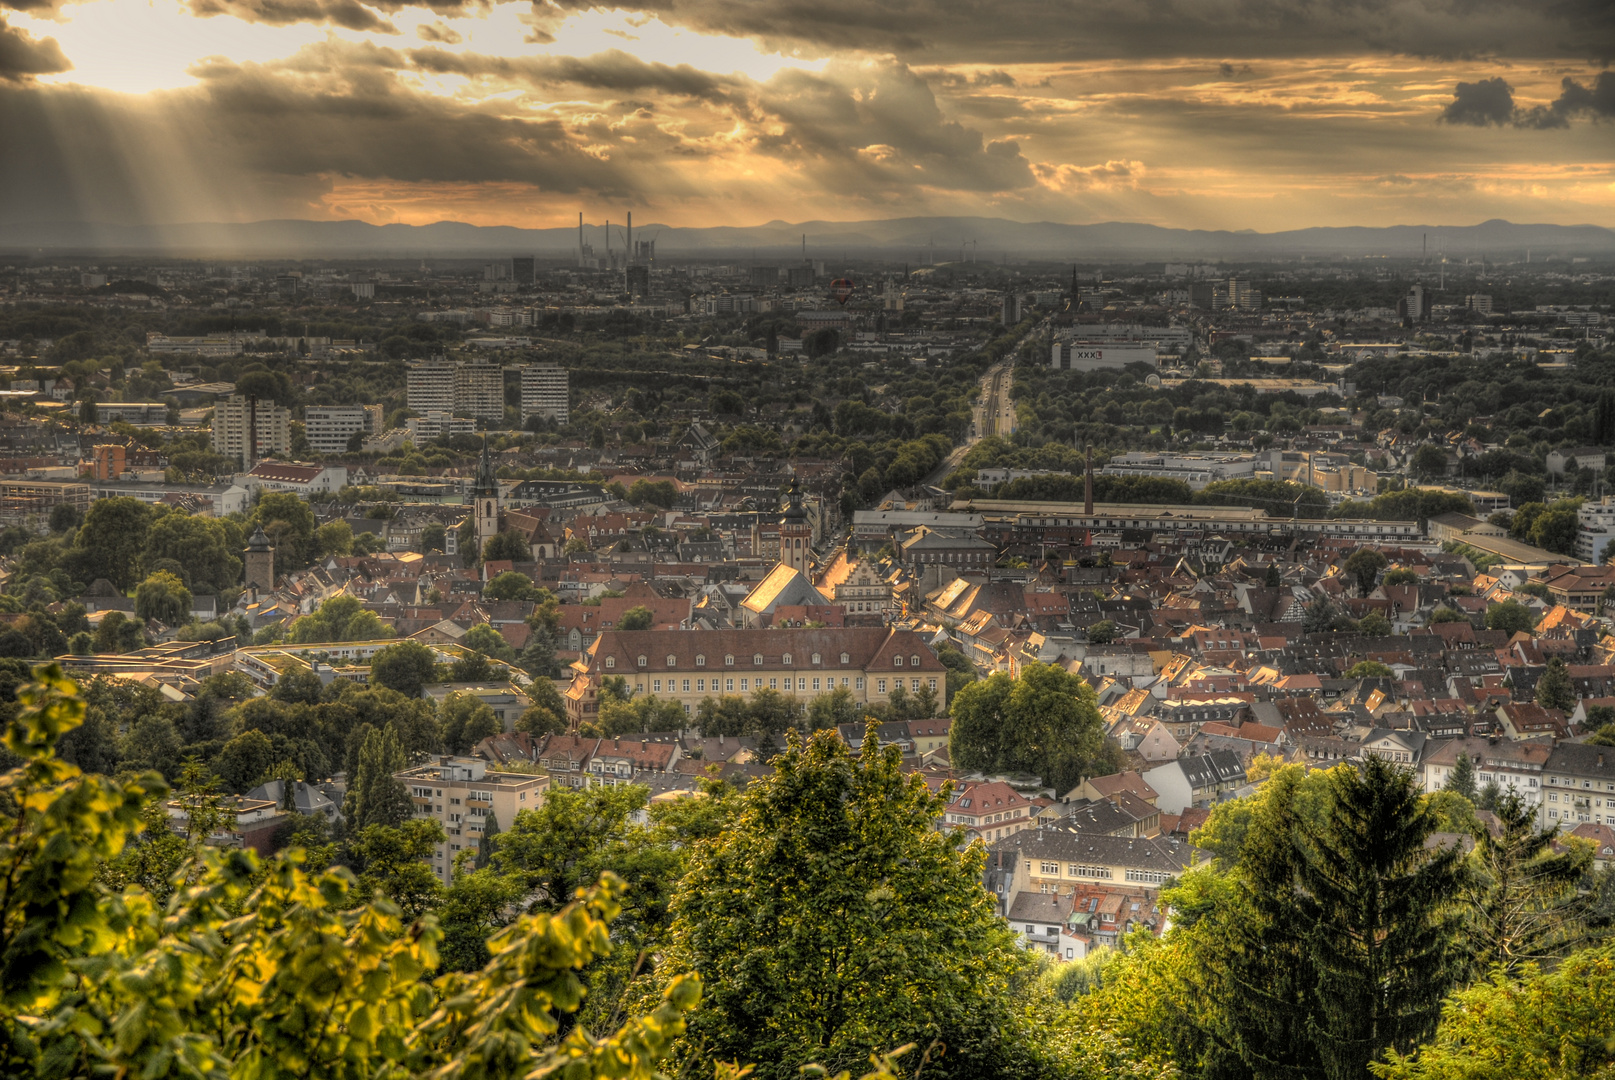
pixel 545 392
pixel 463 796
pixel 479 390
pixel 638 278
pixel 1480 303
pixel 109 462
pixel 1010 309
pixel 331 427
pixel 235 417
pixel 521 270
pixel 429 386
pixel 765 276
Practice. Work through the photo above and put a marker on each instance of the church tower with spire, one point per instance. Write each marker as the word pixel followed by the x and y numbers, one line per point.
pixel 485 499
pixel 795 531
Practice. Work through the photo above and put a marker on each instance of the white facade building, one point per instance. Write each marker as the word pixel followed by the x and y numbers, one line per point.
pixel 330 427
pixel 231 423
pixel 545 392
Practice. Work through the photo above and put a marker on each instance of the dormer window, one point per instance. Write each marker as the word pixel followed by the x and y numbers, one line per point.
pixel 728 661
pixel 700 660
pixel 897 661
pixel 643 661
pixel 914 661
pixel 845 659
pixel 672 661
pixel 757 659
pixel 815 658
pixel 787 659
pixel 611 661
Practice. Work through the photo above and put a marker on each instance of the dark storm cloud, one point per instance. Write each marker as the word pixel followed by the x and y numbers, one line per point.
pixel 1489 101
pixel 1575 100
pixel 614 71
pixel 23 56
pixel 349 115
pixel 975 31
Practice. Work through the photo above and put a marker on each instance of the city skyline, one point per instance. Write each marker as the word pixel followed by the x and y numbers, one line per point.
pixel 1266 116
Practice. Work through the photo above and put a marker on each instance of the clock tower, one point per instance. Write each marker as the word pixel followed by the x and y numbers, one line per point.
pixel 485 500
pixel 795 531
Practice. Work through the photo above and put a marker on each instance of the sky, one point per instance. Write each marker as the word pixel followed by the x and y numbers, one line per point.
pixel 1207 114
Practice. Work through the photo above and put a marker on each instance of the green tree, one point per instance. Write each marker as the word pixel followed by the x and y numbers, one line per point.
pixel 163 597
pixel 335 538
pixel 1429 462
pixel 1525 901
pixel 1400 576
pixel 1510 616
pixel 1102 632
pixel 244 761
pixel 112 540
pixel 1462 778
pixel 1046 722
pixel 1363 567
pixel 208 548
pixel 637 618
pixel 488 641
pixel 346 995
pixel 834 919
pixel 407 667
pixel 471 667
pixel 289 523
pixel 466 720
pixel 1447 615
pixel 511 585
pixel 832 709
pixel 341 618
pixel 1369 669
pixel 509 545
pixel 374 796
pixel 1377 906
pixel 1550 1025
pixel 1374 625
pixel 1554 689
pixel 395 862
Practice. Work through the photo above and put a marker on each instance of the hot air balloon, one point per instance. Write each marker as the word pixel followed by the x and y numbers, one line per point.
pixel 841 290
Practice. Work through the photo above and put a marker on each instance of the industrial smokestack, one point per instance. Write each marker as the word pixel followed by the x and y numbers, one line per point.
pixel 580 238
pixel 631 259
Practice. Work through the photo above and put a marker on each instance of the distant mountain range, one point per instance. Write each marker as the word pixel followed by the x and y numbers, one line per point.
pixel 920 239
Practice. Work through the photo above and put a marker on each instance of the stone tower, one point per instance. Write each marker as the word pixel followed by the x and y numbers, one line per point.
pixel 795 532
pixel 259 558
pixel 485 500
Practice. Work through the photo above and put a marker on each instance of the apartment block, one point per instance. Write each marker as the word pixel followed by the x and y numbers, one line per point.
pixel 330 427
pixel 232 420
pixel 479 390
pixel 462 795
pixel 545 391
pixel 429 386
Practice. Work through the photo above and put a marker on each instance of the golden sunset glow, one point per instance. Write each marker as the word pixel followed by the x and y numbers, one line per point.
pixel 1264 116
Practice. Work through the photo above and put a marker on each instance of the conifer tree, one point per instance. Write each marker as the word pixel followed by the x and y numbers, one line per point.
pixel 1553 690
pixel 1462 779
pixel 1525 898
pixel 1378 907
pixel 374 797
